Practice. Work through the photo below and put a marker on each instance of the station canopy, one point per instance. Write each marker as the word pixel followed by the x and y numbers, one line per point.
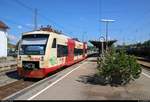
pixel 98 44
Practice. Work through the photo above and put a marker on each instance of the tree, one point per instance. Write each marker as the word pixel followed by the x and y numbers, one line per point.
pixel 118 68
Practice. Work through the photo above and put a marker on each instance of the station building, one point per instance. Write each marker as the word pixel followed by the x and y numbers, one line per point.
pixel 3 39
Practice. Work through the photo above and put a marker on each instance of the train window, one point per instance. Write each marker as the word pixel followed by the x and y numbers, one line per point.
pixel 36 36
pixel 75 51
pixel 34 44
pixel 62 50
pixel 54 43
pixel 78 51
pixel 85 50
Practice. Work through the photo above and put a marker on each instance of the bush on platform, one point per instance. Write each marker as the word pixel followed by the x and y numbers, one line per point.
pixel 118 68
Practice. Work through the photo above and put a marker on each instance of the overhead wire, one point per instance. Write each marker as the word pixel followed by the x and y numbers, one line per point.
pixel 15 23
pixel 40 14
pixel 44 17
pixel 24 5
pixel 54 24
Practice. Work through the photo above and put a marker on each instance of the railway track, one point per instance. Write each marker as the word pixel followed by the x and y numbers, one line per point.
pixel 6 68
pixel 13 87
pixel 11 83
pixel 144 62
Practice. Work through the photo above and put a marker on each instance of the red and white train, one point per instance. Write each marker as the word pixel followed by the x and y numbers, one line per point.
pixel 44 51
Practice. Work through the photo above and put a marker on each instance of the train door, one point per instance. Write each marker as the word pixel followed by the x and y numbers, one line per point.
pixel 70 57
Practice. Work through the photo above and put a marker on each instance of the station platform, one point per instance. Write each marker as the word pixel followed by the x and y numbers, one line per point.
pixel 70 84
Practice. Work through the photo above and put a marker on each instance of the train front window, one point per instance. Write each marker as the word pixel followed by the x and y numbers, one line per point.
pixel 33 44
pixel 32 49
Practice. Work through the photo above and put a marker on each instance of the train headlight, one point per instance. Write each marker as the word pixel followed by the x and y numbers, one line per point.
pixel 19 57
pixel 42 58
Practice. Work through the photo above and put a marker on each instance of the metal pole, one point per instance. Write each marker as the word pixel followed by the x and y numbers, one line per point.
pixel 102 39
pixel 102 49
pixel 35 19
pixel 107 35
pixel 83 37
pixel 106 31
pixel 107 22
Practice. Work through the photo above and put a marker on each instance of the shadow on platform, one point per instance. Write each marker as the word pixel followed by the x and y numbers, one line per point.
pixel 96 80
pixel 13 75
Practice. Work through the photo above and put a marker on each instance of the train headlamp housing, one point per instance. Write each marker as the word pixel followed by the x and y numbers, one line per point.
pixel 42 58
pixel 19 57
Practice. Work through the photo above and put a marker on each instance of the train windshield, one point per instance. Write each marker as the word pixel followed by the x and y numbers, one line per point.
pixel 34 44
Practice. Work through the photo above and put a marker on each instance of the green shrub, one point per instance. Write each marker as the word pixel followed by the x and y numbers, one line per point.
pixel 118 68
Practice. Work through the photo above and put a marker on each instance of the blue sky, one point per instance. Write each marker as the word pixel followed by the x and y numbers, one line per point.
pixel 81 18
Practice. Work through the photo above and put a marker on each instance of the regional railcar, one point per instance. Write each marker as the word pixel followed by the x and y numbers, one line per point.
pixel 44 51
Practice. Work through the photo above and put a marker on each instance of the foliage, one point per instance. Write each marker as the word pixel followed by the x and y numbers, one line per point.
pixel 118 68
pixel 145 44
pixel 138 49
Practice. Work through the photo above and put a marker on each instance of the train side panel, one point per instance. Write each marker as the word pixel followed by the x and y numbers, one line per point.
pixel 60 51
pixel 70 56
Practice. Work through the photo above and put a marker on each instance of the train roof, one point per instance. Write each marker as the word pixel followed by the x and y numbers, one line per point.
pixel 35 32
pixel 50 31
pixel 45 32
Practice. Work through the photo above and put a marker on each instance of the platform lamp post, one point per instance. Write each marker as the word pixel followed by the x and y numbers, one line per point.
pixel 107 21
pixel 102 39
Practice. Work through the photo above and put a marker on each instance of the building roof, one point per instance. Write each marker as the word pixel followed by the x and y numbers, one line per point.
pixel 3 25
pixel 98 43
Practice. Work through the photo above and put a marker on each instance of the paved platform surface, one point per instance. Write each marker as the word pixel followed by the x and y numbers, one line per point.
pixel 70 85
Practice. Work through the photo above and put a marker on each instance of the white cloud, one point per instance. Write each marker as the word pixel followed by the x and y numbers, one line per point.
pixel 30 25
pixel 12 37
pixel 20 27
